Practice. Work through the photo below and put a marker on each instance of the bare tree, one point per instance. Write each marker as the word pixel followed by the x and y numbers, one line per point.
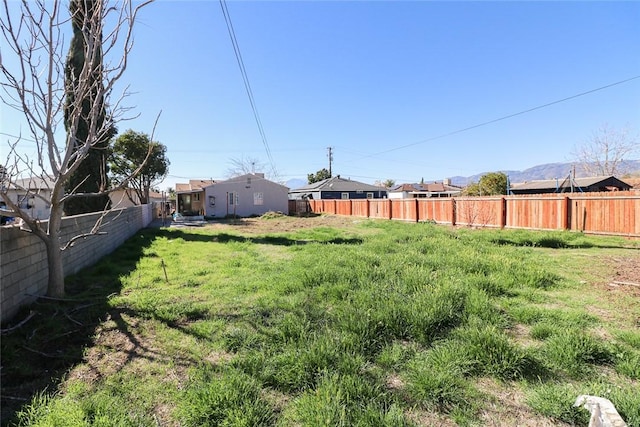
pixel 244 165
pixel 606 151
pixel 34 84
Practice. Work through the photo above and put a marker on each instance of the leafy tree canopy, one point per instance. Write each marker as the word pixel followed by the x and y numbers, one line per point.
pixel 132 149
pixel 318 176
pixel 387 183
pixel 490 184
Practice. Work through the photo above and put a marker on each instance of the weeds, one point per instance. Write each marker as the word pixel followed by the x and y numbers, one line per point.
pixel 321 326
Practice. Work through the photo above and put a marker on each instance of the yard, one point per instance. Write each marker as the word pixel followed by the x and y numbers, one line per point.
pixel 333 321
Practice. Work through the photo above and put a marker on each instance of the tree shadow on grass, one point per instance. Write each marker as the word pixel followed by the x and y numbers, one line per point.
pixel 38 353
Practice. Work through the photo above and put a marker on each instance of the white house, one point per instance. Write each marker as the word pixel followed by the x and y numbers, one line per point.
pixel 31 195
pixel 424 190
pixel 244 196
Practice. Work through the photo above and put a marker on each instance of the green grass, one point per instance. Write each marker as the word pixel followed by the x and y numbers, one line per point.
pixel 361 325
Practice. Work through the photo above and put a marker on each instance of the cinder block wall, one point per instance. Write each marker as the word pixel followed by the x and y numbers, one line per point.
pixel 23 258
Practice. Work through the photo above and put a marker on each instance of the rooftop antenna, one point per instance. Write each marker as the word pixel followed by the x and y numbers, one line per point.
pixel 330 155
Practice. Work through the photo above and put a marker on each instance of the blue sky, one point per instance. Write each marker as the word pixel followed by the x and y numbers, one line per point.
pixel 380 81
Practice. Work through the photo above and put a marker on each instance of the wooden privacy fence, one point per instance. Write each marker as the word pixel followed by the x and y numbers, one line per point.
pixel 616 213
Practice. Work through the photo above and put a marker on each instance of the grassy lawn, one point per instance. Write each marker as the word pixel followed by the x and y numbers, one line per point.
pixel 333 322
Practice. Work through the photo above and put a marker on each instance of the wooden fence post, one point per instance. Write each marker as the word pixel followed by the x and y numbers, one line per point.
pixel 503 212
pixel 566 220
pixel 390 209
pixel 453 212
pixel 417 211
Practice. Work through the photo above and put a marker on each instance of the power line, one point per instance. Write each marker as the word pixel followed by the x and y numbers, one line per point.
pixel 503 117
pixel 245 78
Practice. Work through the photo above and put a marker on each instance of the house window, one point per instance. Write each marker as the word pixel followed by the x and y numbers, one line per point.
pixel 258 199
pixel 233 198
pixel 196 197
pixel 212 200
pixel 345 196
pixel 369 195
pixel 24 201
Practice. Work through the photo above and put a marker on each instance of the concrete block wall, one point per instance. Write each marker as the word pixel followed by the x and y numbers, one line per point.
pixel 23 258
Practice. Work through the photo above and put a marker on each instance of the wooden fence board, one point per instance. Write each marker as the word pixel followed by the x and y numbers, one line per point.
pixel 360 208
pixel 615 213
pixel 404 210
pixel 380 208
pixel 436 209
pixel 479 211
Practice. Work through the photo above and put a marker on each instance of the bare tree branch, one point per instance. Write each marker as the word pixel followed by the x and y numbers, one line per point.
pixel 34 84
pixel 605 152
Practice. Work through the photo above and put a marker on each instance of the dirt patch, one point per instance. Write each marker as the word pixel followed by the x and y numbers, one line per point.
pixel 282 224
pixel 505 406
pixel 626 276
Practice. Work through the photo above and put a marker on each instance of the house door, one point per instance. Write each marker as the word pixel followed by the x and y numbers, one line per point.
pixel 184 203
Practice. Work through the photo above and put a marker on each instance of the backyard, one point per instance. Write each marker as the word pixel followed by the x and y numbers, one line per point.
pixel 333 321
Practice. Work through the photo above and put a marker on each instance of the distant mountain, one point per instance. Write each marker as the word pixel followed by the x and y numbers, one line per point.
pixel 295 183
pixel 545 171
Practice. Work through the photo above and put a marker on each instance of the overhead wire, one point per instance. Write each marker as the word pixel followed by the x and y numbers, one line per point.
pixel 455 132
pixel 247 85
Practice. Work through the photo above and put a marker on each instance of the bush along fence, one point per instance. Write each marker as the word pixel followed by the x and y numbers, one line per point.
pixel 613 213
pixel 23 260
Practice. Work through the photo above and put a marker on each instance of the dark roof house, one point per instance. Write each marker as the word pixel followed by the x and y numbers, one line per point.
pixel 423 190
pixel 338 188
pixel 575 185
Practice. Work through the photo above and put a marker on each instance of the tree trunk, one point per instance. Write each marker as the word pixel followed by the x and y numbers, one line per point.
pixel 55 283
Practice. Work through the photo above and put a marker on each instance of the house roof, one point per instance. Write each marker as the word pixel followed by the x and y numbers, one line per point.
pixel 33 183
pixel 194 185
pixel 553 184
pixel 253 176
pixel 337 183
pixel 434 187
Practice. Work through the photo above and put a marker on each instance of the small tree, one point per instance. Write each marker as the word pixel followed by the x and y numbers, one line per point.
pixel 35 85
pixel 322 174
pixel 130 150
pixel 490 184
pixel 387 183
pixel 605 152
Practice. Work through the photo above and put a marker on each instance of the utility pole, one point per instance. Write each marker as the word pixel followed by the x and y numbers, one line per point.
pixel 330 160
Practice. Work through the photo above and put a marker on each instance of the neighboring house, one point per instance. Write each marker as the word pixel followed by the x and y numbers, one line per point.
pixel 190 197
pixel 567 185
pixel 28 193
pixel 423 190
pixel 124 198
pixel 246 195
pixel 338 188
pixel 127 197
